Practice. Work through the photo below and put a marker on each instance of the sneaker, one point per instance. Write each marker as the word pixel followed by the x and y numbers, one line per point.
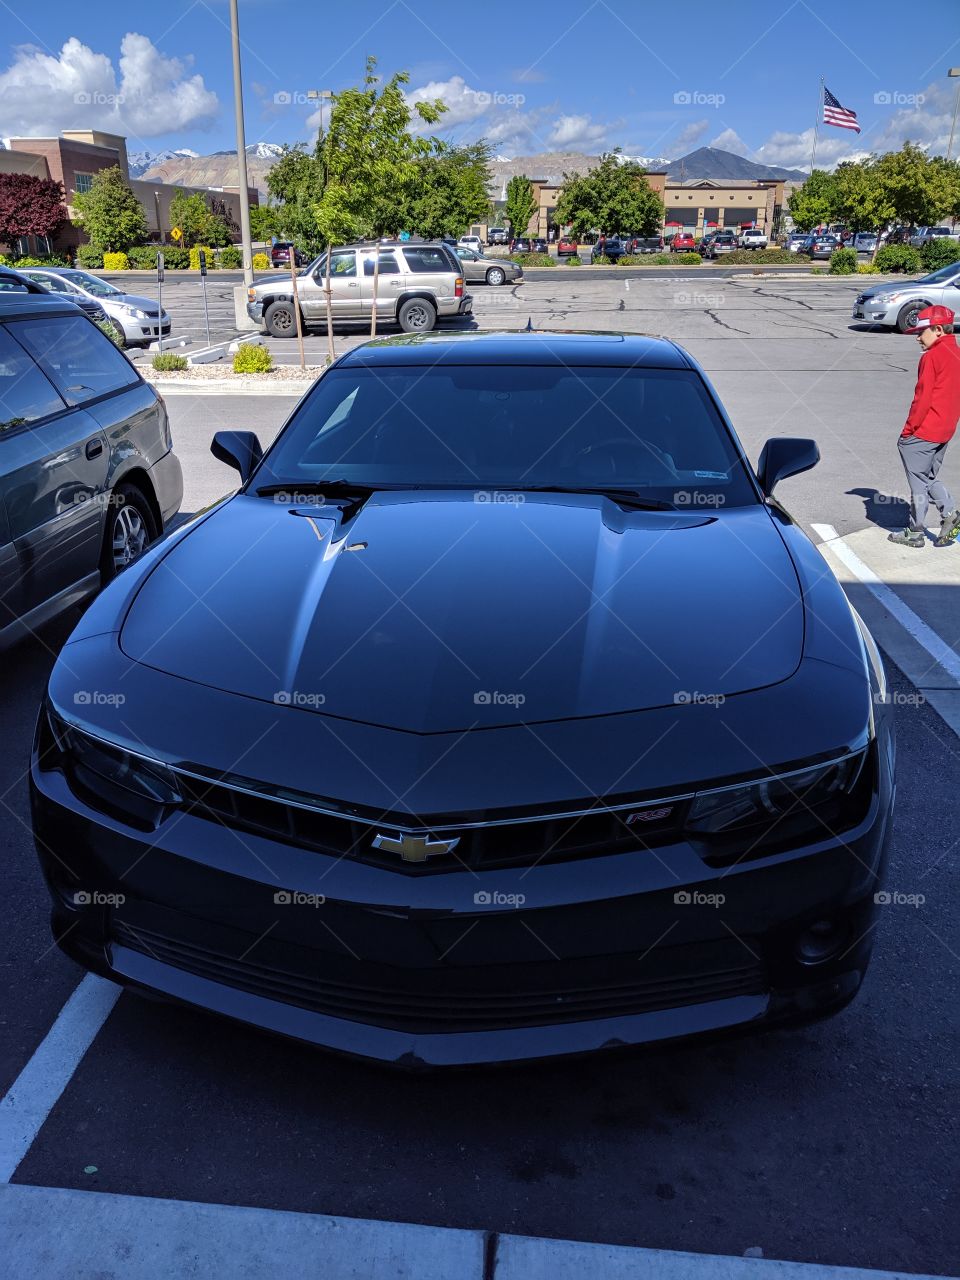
pixel 907 538
pixel 949 529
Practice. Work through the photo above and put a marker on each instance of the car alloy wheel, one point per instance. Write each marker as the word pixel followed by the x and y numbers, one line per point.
pixel 281 321
pixel 907 318
pixel 416 316
pixel 131 528
pixel 118 330
pixel 496 275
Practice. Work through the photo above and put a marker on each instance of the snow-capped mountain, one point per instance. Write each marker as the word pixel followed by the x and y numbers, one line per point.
pixel 141 161
pixel 265 150
pixel 652 163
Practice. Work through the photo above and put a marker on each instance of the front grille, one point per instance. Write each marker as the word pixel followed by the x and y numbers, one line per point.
pixel 495 844
pixel 441 1001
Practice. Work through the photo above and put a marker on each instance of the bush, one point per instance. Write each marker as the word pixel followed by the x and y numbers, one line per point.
pixel 106 327
pixel 89 256
pixel 534 259
pixel 631 260
pixel 231 257
pixel 116 262
pixel 169 361
pixel 574 260
pixel 144 257
pixel 662 259
pixel 686 259
pixel 176 258
pixel 252 359
pixel 752 257
pixel 939 253
pixel 601 261
pixel 261 262
pixel 867 269
pixel 898 257
pixel 843 262
pixel 27 261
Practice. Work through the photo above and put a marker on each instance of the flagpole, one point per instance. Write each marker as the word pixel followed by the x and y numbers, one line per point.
pixel 816 127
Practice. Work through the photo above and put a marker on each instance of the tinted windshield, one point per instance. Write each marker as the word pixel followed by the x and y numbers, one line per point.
pixel 504 427
pixel 99 288
pixel 943 275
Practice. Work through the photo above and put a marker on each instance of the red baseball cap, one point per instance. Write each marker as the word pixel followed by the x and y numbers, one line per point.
pixel 931 316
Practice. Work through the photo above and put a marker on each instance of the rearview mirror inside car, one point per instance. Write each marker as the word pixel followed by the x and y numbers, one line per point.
pixel 785 456
pixel 239 449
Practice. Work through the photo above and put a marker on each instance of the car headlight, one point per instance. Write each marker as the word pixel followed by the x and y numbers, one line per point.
pixel 136 313
pixel 882 298
pixel 813 802
pixel 110 777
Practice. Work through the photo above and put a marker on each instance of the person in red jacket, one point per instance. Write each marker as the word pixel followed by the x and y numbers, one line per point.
pixel 929 428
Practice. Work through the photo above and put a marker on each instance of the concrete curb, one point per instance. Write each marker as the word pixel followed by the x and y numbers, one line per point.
pixel 236 385
pixel 52 1233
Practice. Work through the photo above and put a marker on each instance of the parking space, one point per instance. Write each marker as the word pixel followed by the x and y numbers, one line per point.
pixel 834 1144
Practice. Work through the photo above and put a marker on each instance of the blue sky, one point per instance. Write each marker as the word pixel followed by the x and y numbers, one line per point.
pixel 568 76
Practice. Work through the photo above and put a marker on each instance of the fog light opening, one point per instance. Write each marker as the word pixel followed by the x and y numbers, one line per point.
pixel 821 941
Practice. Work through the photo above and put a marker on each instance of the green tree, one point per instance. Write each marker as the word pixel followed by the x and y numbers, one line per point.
pixel 860 200
pixel 449 190
pixel 814 202
pixel 918 188
pixel 370 156
pixel 520 205
pixel 110 214
pixel 264 221
pixel 612 197
pixel 191 215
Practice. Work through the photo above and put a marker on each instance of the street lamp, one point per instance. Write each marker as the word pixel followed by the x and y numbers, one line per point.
pixel 156 201
pixel 953 73
pixel 319 95
pixel 245 239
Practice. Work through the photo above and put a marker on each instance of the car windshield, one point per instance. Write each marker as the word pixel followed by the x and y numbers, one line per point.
pixel 656 431
pixel 943 275
pixel 52 283
pixel 99 288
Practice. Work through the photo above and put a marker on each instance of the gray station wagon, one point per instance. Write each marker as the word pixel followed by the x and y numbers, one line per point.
pixel 88 476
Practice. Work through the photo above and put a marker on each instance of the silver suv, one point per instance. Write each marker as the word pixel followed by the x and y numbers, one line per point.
pixel 418 284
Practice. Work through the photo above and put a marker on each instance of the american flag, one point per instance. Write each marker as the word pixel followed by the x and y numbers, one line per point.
pixel 834 114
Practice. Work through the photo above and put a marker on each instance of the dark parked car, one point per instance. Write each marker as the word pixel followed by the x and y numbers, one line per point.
pixel 88 476
pixel 821 246
pixel 522 244
pixel 645 244
pixel 612 247
pixel 722 242
pixel 540 245
pixel 510 819
pixel 280 255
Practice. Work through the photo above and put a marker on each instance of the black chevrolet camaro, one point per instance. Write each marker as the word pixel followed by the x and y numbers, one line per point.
pixel 501 714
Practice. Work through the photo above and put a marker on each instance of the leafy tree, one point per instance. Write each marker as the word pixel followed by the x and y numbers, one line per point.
pixel 370 155
pixel 918 188
pixel 520 205
pixel 264 221
pixel 860 199
pixel 296 182
pixel 191 215
pixel 29 206
pixel 110 213
pixel 814 202
pixel 612 197
pixel 449 190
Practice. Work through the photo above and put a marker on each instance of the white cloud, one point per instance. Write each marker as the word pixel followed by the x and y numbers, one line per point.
pixel 730 140
pixel 688 137
pixel 464 105
pixel 571 132
pixel 44 93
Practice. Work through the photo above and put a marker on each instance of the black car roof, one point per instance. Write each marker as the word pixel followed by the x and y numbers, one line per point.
pixel 15 306
pixel 620 349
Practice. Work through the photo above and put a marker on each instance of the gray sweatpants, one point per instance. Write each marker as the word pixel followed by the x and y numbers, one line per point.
pixel 921 461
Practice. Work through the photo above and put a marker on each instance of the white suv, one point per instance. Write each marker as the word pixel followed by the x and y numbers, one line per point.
pixel 753 238
pixel 471 242
pixel 417 284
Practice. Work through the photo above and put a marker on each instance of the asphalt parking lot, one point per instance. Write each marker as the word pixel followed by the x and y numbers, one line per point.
pixel 834 1144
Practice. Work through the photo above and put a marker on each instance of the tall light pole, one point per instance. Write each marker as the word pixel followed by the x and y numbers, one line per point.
pixel 953 73
pixel 320 95
pixel 246 246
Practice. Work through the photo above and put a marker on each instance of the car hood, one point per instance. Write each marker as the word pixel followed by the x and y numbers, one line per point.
pixel 436 613
pixel 130 300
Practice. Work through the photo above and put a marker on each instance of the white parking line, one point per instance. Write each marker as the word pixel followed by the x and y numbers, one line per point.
pixel 31 1097
pixel 937 648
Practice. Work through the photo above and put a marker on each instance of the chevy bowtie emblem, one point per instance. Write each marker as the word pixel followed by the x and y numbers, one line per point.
pixel 414 848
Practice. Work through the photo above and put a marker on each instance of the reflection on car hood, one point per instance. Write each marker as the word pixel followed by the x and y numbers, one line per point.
pixel 434 612
pixel 132 300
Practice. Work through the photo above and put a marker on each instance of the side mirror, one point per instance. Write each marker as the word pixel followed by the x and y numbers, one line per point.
pixel 785 456
pixel 239 449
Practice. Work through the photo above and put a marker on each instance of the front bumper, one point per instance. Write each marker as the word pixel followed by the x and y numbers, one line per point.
pixel 876 312
pixel 456 968
pixel 255 310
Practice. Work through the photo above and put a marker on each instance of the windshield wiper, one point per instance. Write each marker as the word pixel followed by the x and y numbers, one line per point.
pixel 295 487
pixel 622 497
